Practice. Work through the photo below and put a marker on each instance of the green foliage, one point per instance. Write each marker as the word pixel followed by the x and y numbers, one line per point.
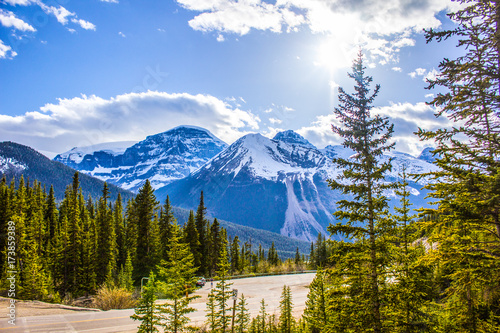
pixel 316 313
pixel 222 292
pixel 176 281
pixel 465 227
pixel 242 316
pixel 146 309
pixel 286 320
pixel 147 245
pixel 360 267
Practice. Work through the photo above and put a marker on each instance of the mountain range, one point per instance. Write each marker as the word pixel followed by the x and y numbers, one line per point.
pixel 274 184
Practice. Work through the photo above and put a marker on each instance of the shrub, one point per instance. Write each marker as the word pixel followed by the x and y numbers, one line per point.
pixel 108 298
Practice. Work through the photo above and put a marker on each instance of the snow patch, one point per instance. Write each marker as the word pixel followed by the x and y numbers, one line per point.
pixel 11 164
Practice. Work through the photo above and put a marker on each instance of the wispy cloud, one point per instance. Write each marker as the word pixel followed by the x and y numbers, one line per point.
pixel 88 120
pixel 9 20
pixel 122 34
pixel 110 1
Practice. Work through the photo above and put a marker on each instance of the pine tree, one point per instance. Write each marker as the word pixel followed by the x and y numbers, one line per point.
pixel 466 224
pixel 413 280
pixel 272 255
pixel 146 310
pixel 261 318
pixel 148 246
pixel 191 238
pixel 121 250
pixel 201 226
pixel 165 223
pixel 242 316
pixel 177 280
pixel 286 320
pixel 211 312
pixel 223 292
pixel 316 312
pixel 363 218
pixel 125 280
pixel 106 242
pixel 235 255
pixel 215 241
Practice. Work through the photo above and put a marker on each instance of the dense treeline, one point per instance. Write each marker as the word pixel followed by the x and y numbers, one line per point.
pixel 79 245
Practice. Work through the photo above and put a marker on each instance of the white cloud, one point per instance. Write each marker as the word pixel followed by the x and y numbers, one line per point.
pixel 407 118
pixel 122 34
pixel 429 96
pixel 87 120
pixel 18 2
pixel 72 30
pixel 275 121
pixel 110 1
pixel 84 24
pixel 397 69
pixel 6 51
pixel 161 30
pixel 8 20
pixel 220 38
pixel 431 75
pixel 382 28
pixel 61 13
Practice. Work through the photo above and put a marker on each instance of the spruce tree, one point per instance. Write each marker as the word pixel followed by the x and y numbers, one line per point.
pixel 360 265
pixel 191 238
pixel 466 223
pixel 316 312
pixel 165 224
pixel 146 223
pixel 235 255
pixel 242 316
pixel 286 320
pixel 223 292
pixel 176 281
pixel 146 311
pixel 201 226
pixel 215 241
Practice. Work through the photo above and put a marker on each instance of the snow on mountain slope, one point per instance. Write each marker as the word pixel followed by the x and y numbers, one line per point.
pixel 76 154
pixel 161 158
pixel 10 164
pixel 279 185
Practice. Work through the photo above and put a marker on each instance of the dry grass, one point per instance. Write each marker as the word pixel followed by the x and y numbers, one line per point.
pixel 108 298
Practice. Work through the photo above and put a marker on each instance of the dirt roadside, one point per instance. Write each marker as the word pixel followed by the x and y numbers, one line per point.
pixel 37 308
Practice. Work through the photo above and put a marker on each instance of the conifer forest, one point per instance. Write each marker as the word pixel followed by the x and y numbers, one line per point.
pixel 392 269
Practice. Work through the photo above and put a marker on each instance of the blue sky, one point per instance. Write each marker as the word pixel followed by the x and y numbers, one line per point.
pixel 76 73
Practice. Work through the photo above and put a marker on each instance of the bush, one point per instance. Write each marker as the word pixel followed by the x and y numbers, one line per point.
pixel 108 298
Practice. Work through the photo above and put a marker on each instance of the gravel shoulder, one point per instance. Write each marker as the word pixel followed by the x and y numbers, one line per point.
pixel 37 308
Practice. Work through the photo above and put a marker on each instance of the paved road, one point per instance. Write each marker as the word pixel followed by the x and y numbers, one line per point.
pixel 254 289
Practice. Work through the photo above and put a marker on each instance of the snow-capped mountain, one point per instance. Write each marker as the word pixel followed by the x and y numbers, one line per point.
pixel 161 158
pixel 276 184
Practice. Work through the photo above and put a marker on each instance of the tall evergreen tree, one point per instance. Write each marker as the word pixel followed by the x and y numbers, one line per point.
pixel 235 255
pixel 215 242
pixel 466 224
pixel 148 246
pixel 361 264
pixel 286 320
pixel 223 292
pixel 191 238
pixel 106 242
pixel 165 223
pixel 176 281
pixel 202 228
pixel 317 312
